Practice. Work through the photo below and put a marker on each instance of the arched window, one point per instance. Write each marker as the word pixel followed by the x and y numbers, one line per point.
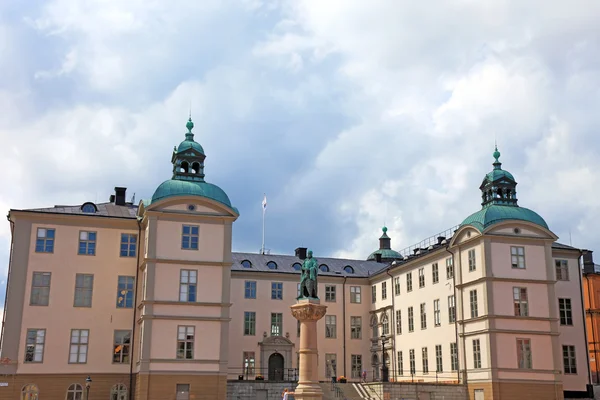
pixel 385 324
pixel 30 392
pixel 374 360
pixel 246 264
pixel 386 358
pixel 195 168
pixel 375 326
pixel 184 167
pixel 75 392
pixel 324 268
pixel 297 266
pixel 272 265
pixel 348 269
pixel 118 392
pixel 88 208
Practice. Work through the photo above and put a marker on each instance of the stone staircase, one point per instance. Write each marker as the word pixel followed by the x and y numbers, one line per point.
pixel 346 391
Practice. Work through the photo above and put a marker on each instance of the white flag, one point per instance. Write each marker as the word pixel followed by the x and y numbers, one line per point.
pixel 264 203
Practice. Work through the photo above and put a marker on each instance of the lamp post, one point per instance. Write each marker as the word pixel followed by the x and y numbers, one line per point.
pixel 384 368
pixel 88 384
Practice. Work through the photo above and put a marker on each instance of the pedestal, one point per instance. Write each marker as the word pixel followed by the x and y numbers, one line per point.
pixel 308 312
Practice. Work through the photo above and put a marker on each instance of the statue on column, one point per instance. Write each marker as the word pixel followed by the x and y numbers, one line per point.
pixel 308 277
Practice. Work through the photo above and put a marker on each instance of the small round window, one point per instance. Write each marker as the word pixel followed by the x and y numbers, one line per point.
pixel 517 230
pixel 348 269
pixel 272 265
pixel 297 266
pixel 191 207
pixel 246 264
pixel 324 268
pixel 88 208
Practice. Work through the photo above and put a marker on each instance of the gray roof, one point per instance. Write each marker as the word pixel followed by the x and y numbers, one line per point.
pixel 104 210
pixel 284 264
pixel 561 246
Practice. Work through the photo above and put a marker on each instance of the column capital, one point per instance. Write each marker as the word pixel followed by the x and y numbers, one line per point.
pixel 308 310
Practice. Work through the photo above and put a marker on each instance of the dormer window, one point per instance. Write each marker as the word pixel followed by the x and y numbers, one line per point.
pixel 246 264
pixel 272 265
pixel 297 266
pixel 348 269
pixel 89 208
pixel 324 268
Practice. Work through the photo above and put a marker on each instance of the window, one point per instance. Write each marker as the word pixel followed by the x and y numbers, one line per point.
pixel 411 322
pixel 438 358
pixel 520 301
pixel 330 293
pixel 453 357
pixel 476 354
pixel 277 290
pixel 397 286
pixel 276 324
pixel 425 359
pixel 121 347
pixel 355 327
pixel 330 328
pixel 472 265
pixel 44 242
pixel 40 289
pixel 247 264
pixel 84 288
pixel 436 313
pixel 524 353
pixel 565 312
pixel 409 282
pixel 451 309
pixel 383 290
pixel 330 365
pixel 400 363
pixel 250 289
pixel 385 324
pixel 188 282
pixel 79 346
pixel 423 317
pixel 348 269
pixel 373 294
pixel 356 365
pixel 189 237
pixel 562 270
pixel 125 291
pixel 569 361
pixel 75 392
pixel 118 392
pixel 87 243
pixel 355 294
pixel 398 322
pixel 473 302
pixel 517 256
pixel 298 290
pixel 421 277
pixel 249 362
pixel 449 268
pixel 128 245
pixel 324 268
pixel 272 265
pixel 34 348
pixel 30 392
pixel 185 342
pixel 297 266
pixel 182 391
pixel 435 273
pixel 249 323
pixel 413 365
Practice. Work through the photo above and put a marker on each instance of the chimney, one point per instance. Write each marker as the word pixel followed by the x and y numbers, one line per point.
pixel 301 253
pixel 440 239
pixel 120 196
pixel 378 257
pixel 588 262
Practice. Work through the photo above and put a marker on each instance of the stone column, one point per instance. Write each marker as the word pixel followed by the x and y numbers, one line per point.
pixel 308 312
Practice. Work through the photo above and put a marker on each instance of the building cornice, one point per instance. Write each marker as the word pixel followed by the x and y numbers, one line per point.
pixel 75 220
pixel 182 303
pixel 183 262
pixel 500 279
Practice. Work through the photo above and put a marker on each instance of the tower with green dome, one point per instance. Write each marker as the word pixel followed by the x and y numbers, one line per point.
pixel 385 249
pixel 188 174
pixel 499 200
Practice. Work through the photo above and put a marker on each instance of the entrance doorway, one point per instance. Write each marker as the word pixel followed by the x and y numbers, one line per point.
pixel 276 367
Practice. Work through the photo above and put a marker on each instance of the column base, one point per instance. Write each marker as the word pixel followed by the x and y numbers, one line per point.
pixel 308 391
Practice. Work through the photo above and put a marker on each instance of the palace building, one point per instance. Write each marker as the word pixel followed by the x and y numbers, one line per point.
pixel 149 301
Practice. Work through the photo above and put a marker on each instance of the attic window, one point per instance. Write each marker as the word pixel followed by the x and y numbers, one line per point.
pixel 348 269
pixel 297 266
pixel 324 267
pixel 89 208
pixel 246 264
pixel 272 265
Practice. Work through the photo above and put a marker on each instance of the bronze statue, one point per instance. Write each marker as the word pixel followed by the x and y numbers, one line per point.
pixel 308 277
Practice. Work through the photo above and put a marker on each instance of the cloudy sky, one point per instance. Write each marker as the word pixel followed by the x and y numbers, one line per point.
pixel 347 114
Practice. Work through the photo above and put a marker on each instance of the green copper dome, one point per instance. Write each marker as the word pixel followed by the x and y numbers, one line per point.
pixel 497 174
pixel 494 213
pixel 172 188
pixel 388 254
